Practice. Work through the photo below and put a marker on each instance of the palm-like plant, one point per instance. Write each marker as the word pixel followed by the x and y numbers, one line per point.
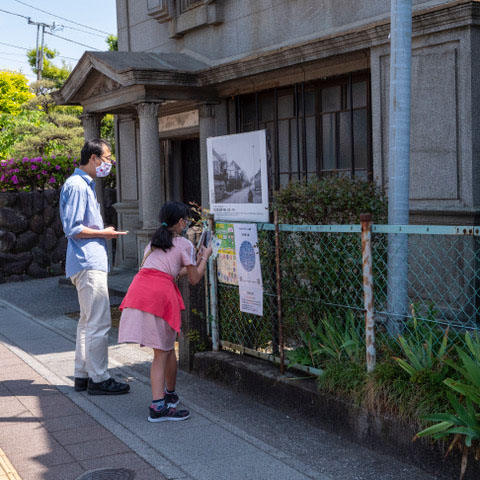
pixel 464 423
pixel 422 352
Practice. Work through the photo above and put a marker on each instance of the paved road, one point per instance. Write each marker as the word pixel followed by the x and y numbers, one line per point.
pixel 229 435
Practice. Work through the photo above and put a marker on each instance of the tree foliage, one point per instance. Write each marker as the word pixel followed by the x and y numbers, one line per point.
pixel 50 71
pixel 31 124
pixel 59 131
pixel 14 92
pixel 112 42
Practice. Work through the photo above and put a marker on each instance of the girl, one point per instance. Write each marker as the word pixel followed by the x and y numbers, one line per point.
pixel 152 305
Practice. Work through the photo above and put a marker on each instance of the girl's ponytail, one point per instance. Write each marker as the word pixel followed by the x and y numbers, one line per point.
pixel 162 238
pixel 170 215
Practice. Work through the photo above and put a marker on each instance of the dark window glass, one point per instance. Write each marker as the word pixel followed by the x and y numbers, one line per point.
pixel 267 108
pixel 310 127
pixel 360 138
pixel 248 109
pixel 331 99
pixel 329 141
pixel 310 103
pixel 285 106
pixel 344 141
pixel 311 137
pixel 284 145
pixel 359 94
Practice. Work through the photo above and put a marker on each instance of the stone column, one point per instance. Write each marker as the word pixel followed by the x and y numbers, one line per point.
pixel 91 129
pixel 207 129
pixel 194 296
pixel 152 186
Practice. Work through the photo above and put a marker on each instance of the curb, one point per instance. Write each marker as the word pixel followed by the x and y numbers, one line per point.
pixel 7 470
pixel 300 398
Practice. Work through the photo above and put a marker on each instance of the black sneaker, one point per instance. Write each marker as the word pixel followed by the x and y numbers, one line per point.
pixel 80 384
pixel 107 387
pixel 167 414
pixel 171 399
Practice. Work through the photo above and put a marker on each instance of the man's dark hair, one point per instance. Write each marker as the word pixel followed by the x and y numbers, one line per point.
pixel 94 146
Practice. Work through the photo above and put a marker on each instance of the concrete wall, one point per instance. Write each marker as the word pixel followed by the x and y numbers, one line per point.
pixel 444 171
pixel 249 26
pixel 442 155
pixel 128 203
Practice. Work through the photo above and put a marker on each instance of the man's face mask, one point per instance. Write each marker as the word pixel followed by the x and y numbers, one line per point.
pixel 104 169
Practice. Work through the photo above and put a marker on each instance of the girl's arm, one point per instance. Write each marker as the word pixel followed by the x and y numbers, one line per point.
pixel 195 273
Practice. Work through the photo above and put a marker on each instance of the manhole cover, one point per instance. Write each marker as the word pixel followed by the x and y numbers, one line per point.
pixel 108 474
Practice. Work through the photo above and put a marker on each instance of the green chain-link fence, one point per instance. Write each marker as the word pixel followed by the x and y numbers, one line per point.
pixel 321 274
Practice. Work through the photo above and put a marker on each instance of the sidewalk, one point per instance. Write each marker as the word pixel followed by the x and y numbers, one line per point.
pixel 48 431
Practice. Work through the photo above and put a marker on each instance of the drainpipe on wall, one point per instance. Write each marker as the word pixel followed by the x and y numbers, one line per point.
pixel 399 160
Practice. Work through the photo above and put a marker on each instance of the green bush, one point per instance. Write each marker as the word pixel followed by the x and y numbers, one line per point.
pixel 330 200
pixel 322 272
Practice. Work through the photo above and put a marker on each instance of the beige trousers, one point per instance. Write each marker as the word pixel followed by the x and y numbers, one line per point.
pixel 91 354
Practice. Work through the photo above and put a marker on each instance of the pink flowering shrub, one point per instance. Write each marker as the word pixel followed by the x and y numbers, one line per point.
pixel 28 174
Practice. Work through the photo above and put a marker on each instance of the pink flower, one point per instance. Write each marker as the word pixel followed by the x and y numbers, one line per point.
pixel 2 178
pixel 53 156
pixel 57 167
pixel 49 164
pixel 44 172
pixel 39 176
pixel 14 180
pixel 52 180
pixel 33 167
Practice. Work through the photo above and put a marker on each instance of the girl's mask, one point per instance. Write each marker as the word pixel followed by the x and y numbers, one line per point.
pixel 187 226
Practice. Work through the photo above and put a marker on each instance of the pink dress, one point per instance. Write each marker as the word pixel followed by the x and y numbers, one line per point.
pixel 141 327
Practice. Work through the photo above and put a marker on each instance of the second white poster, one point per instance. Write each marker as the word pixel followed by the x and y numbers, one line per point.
pixel 248 268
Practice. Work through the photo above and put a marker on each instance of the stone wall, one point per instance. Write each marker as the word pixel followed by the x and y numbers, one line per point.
pixel 32 242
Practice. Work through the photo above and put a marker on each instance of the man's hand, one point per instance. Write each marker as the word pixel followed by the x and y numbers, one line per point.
pixel 110 233
pixel 107 233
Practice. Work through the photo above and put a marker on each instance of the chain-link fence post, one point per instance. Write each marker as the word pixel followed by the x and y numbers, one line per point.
pixel 212 277
pixel 366 221
pixel 279 294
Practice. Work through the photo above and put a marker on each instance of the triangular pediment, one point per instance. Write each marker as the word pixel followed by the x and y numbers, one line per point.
pixel 101 73
pixel 97 84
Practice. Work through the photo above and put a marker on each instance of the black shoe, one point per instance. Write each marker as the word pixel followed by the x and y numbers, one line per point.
pixel 167 414
pixel 171 399
pixel 107 387
pixel 80 384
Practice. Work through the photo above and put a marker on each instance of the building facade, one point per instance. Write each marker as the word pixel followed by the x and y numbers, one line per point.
pixel 313 73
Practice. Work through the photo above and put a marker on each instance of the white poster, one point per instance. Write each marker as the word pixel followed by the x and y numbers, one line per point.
pixel 238 176
pixel 249 271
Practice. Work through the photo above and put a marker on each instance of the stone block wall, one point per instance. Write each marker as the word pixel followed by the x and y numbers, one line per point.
pixel 32 241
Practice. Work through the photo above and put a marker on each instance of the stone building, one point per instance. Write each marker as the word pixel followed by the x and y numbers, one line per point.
pixel 314 73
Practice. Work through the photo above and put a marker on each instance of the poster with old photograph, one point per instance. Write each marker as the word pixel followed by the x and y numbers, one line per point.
pixel 237 176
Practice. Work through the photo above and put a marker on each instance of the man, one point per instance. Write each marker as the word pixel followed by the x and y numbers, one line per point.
pixel 87 267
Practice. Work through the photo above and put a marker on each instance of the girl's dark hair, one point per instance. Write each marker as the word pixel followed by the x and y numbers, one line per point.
pixel 170 214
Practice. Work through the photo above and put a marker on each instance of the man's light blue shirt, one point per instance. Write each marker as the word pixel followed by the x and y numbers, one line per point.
pixel 79 208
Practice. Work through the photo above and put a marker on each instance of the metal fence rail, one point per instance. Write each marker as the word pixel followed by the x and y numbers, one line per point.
pixel 321 277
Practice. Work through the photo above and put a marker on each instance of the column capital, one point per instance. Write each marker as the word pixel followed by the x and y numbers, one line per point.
pixel 206 110
pixel 148 109
pixel 91 120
